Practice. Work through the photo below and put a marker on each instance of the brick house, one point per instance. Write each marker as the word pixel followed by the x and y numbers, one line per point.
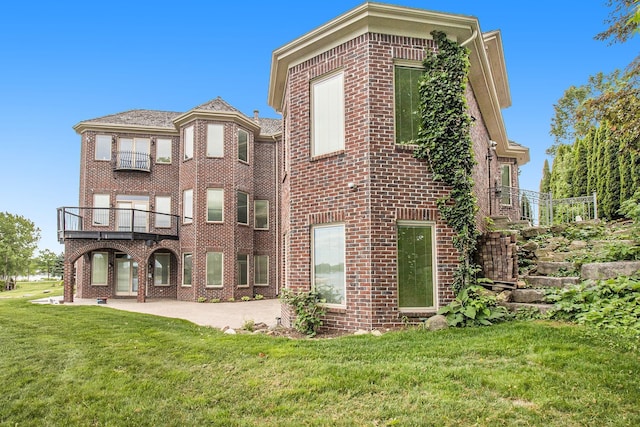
pixel 326 198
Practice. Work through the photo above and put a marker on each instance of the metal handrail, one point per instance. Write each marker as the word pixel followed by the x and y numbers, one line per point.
pixel 132 160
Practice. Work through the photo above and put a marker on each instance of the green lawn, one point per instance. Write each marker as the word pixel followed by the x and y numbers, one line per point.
pixel 34 290
pixel 93 366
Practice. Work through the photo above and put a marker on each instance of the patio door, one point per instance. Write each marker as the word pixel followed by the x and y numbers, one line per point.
pixel 133 213
pixel 126 275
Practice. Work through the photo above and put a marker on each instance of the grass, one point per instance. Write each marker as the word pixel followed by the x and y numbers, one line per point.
pixel 89 365
pixel 34 290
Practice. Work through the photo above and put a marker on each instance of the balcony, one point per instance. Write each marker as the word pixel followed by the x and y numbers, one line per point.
pixel 132 161
pixel 116 224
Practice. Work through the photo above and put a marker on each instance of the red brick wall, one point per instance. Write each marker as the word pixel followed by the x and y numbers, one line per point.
pixel 391 184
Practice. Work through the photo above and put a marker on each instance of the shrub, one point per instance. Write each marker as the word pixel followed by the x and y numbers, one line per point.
pixel 202 299
pixel 214 300
pixel 258 297
pixel 308 309
pixel 608 304
pixel 246 298
pixel 474 307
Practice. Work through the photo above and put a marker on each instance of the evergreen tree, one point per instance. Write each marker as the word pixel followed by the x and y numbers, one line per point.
pixel 601 169
pixel 580 168
pixel 545 182
pixel 625 162
pixel 612 178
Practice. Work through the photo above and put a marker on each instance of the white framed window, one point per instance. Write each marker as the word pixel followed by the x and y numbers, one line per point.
pixel 188 142
pixel 415 262
pixel 243 208
pixel 328 262
pixel 407 102
pixel 215 268
pixel 327 114
pixel 505 182
pixel 103 147
pixel 163 150
pixel 261 214
pixel 187 206
pixel 163 212
pixel 187 269
pixel 99 268
pixel 243 270
pixel 133 153
pixel 161 269
pixel 215 140
pixel 215 205
pixel 261 270
pixel 101 216
pixel 243 146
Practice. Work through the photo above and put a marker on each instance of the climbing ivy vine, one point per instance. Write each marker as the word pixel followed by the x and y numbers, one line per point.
pixel 444 140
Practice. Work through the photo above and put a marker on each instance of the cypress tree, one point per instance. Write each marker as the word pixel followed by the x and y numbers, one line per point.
pixel 592 164
pixel 580 168
pixel 601 171
pixel 625 161
pixel 545 182
pixel 613 176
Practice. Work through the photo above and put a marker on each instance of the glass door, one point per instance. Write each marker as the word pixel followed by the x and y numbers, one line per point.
pixel 126 275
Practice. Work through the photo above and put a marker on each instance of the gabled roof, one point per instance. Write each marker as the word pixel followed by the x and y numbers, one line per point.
pixel 217 109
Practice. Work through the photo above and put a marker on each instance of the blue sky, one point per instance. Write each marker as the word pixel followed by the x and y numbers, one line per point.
pixel 65 62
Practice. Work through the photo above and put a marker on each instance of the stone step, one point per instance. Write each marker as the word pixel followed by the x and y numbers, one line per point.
pixel 528 296
pixel 550 281
pixel 515 306
pixel 609 270
pixel 549 268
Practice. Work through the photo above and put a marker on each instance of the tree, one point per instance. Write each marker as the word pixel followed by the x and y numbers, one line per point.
pixel 18 239
pixel 580 168
pixel 613 97
pixel 47 262
pixel 545 182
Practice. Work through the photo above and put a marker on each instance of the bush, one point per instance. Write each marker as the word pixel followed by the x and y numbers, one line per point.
pixel 607 304
pixel 308 309
pixel 474 307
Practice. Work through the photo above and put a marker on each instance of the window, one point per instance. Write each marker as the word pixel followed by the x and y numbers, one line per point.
pixel 505 181
pixel 188 142
pixel 243 208
pixel 163 211
pixel 416 288
pixel 327 120
pixel 328 252
pixel 214 268
pixel 163 150
pixel 103 147
pixel 243 146
pixel 187 207
pixel 187 269
pixel 215 204
pixel 243 270
pixel 161 269
pixel 407 102
pixel 215 140
pixel 261 214
pixel 101 216
pixel 261 270
pixel 133 153
pixel 99 268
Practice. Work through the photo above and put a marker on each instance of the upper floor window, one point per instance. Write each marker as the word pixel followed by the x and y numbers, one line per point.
pixel 133 153
pixel 243 146
pixel 163 150
pixel 215 140
pixel 407 103
pixel 261 214
pixel 187 206
pixel 243 208
pixel 103 147
pixel 188 142
pixel 101 216
pixel 215 204
pixel 327 115
pixel 163 212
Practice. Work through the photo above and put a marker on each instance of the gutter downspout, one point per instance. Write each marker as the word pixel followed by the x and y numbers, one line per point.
pixel 474 34
pixel 278 237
